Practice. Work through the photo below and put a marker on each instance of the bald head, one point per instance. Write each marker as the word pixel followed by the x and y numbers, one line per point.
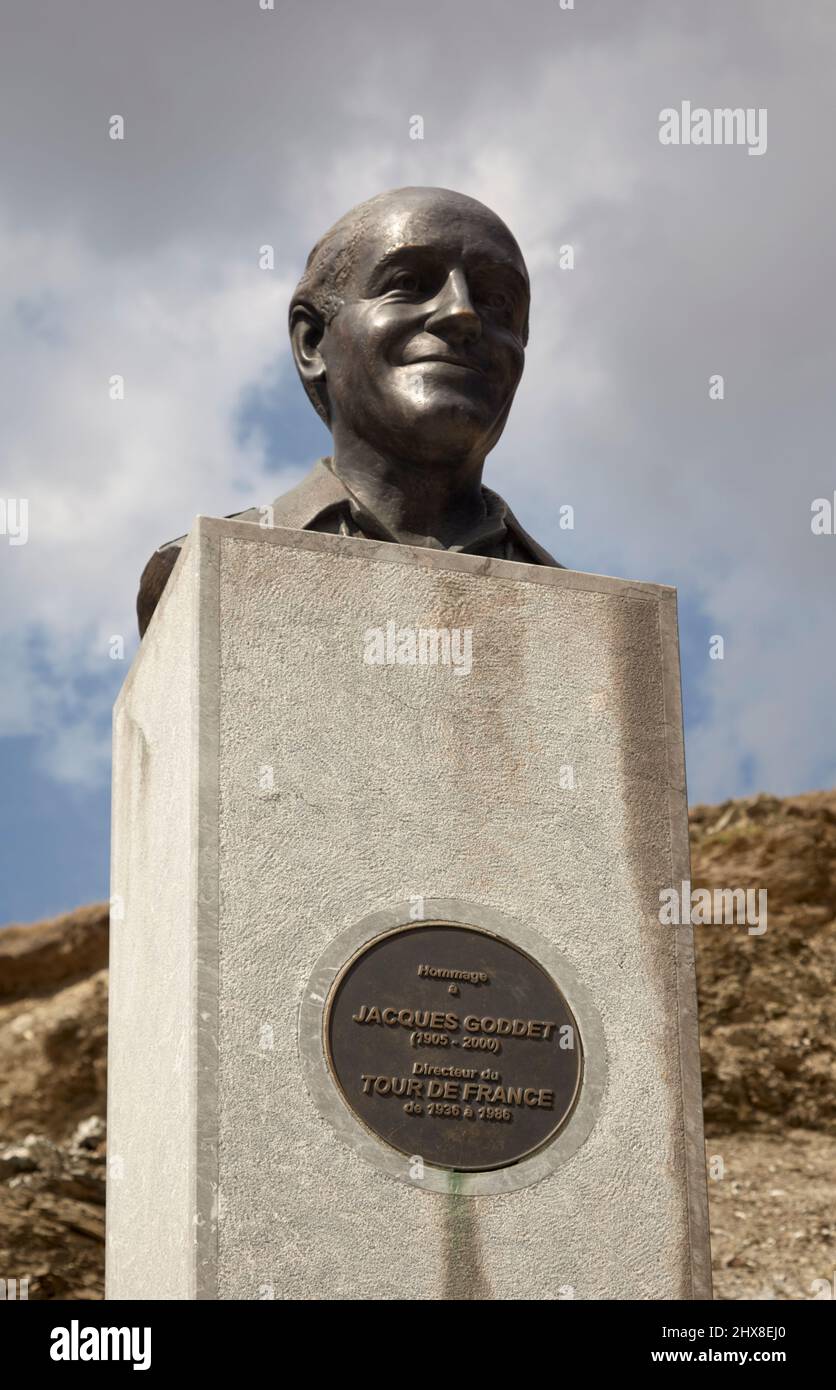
pixel 343 261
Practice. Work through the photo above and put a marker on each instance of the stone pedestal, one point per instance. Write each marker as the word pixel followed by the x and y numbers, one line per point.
pixel 295 776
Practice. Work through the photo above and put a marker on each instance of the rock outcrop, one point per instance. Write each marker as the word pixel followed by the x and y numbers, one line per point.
pixel 53 1059
pixel 767 1002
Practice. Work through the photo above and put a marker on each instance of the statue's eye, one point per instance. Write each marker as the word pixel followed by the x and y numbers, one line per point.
pixel 405 280
pixel 496 299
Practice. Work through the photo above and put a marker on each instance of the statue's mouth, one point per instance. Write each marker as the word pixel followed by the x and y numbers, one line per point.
pixel 448 362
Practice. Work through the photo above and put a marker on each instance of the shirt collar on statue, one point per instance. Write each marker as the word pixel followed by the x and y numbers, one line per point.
pixel 490 530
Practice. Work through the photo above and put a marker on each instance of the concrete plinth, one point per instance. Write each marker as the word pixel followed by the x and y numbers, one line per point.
pixel 282 796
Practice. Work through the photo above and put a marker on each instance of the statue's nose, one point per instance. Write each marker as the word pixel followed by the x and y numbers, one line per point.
pixel 453 316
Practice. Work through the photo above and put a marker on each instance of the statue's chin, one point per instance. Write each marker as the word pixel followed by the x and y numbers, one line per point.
pixel 444 426
pixel 446 414
pixel 447 432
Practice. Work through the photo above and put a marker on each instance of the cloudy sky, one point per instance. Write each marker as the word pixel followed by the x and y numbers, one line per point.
pixel 246 126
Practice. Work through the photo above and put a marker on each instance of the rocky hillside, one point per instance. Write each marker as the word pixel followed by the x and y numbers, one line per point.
pixel 769 1055
pixel 768 1026
pixel 53 1057
pixel 767 1003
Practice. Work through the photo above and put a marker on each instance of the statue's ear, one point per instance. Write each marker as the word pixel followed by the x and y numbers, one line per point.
pixel 306 329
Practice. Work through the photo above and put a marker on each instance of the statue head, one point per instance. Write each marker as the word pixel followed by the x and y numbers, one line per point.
pixel 409 325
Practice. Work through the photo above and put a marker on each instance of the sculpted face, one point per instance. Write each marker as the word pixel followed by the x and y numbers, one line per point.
pixel 426 351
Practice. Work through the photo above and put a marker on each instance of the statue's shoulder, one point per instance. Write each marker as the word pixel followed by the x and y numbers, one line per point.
pixel 523 541
pixel 153 580
pixel 302 504
pixel 295 508
pixel 527 542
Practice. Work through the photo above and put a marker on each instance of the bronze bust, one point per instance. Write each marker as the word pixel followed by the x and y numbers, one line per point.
pixel 408 330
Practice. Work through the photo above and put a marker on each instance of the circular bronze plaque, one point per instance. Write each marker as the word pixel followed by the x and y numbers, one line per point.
pixel 450 1043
